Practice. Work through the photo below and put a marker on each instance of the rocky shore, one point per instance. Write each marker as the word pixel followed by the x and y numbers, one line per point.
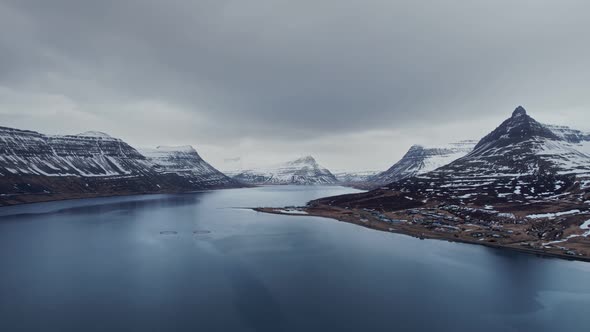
pixel 461 225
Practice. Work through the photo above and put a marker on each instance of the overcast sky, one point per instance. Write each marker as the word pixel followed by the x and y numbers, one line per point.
pixel 353 83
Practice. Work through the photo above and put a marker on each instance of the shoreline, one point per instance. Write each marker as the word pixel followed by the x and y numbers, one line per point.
pixel 340 215
pixel 77 197
pixel 89 196
pixel 315 212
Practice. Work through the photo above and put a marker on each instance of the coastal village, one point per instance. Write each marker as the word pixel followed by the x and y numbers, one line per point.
pixel 561 234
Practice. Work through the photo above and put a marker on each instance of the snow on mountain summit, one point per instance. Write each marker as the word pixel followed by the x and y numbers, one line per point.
pixel 166 151
pixel 519 111
pixel 34 166
pixel 420 159
pixel 24 152
pixel 521 146
pixel 521 159
pixel 568 134
pixel 306 161
pixel 98 134
pixel 303 171
pixel 181 148
pixel 186 162
pixel 354 177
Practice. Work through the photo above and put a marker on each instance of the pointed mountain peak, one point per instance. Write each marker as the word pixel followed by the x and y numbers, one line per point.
pixel 414 150
pixel 304 170
pixel 519 111
pixel 519 128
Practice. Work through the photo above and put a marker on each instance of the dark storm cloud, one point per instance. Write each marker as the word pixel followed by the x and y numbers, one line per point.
pixel 282 69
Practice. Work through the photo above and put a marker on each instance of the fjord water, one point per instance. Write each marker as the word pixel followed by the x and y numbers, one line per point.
pixel 198 262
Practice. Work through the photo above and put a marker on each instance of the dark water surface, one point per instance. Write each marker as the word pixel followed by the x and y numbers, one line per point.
pixel 195 263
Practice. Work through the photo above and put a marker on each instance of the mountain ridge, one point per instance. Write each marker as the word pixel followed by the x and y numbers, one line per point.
pixel 186 162
pixel 301 171
pixel 420 159
pixel 38 167
pixel 523 187
pixel 518 161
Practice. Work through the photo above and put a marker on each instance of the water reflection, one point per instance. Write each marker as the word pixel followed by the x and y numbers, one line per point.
pixel 191 262
pixel 101 205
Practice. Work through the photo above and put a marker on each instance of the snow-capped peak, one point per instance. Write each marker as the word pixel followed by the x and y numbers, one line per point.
pixel 99 134
pixel 305 160
pixel 416 147
pixel 420 159
pixel 90 154
pixel 182 148
pixel 568 134
pixel 519 111
pixel 518 128
pixel 185 161
pixel 524 147
pixel 167 152
pixel 304 170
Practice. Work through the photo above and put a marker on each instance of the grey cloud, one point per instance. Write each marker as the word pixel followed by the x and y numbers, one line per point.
pixel 279 70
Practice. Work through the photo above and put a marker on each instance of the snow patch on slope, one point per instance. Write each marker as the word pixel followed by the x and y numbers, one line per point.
pixel 185 162
pixel 98 134
pixel 303 171
pixel 420 160
pixel 24 152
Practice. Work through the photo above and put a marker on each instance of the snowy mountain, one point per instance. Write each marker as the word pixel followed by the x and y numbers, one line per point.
pixel 420 160
pixel 579 139
pixel 89 154
pixel 525 186
pixel 568 134
pixel 97 134
pixel 521 146
pixel 521 161
pixel 186 162
pixel 351 177
pixel 303 171
pixel 36 167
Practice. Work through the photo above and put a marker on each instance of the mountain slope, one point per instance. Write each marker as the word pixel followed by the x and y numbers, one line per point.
pixel 568 134
pixel 303 171
pixel 578 139
pixel 352 177
pixel 525 186
pixel 188 164
pixel 36 167
pixel 521 146
pixel 521 160
pixel 25 152
pixel 419 160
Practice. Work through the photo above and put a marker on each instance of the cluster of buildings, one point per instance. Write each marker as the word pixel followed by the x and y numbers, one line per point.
pixel 451 218
pixel 382 217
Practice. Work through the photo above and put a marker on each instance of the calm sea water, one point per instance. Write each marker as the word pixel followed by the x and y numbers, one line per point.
pixel 197 262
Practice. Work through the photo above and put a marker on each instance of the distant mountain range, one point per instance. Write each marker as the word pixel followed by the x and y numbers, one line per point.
pixel 420 159
pixel 353 177
pixel 302 171
pixel 524 186
pixel 522 146
pixel 564 149
pixel 37 167
pixel 520 160
pixel 89 154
